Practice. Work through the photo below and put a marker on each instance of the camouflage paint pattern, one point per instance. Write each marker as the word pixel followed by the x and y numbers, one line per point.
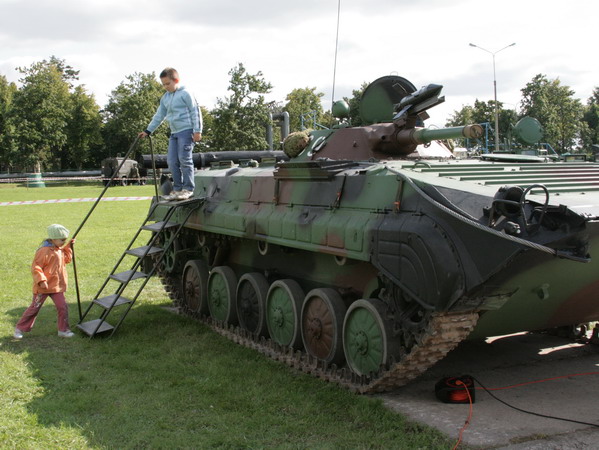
pixel 313 220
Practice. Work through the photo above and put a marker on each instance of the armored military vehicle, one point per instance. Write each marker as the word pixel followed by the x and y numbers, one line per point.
pixel 127 171
pixel 355 259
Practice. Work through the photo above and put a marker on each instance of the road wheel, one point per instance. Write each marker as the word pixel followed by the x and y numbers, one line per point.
pixel 195 282
pixel 283 308
pixel 169 260
pixel 252 290
pixel 368 340
pixel 222 283
pixel 322 316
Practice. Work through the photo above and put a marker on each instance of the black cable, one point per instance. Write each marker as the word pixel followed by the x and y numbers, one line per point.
pixel 534 413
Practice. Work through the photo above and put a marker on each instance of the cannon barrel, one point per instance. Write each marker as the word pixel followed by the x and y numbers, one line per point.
pixel 408 138
pixel 426 135
pixel 201 160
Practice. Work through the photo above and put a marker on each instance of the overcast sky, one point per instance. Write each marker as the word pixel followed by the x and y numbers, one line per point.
pixel 293 44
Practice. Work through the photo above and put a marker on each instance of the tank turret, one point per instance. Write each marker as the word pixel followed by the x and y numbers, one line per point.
pixel 393 111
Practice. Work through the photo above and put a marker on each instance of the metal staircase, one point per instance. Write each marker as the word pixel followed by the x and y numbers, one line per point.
pixel 147 257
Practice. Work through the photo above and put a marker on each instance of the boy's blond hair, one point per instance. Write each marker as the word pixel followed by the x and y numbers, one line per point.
pixel 169 72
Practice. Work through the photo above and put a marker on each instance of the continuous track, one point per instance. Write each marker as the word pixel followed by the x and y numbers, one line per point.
pixel 444 332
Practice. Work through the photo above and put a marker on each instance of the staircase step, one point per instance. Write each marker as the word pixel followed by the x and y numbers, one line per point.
pixel 124 276
pixel 111 301
pixel 89 327
pixel 145 250
pixel 160 226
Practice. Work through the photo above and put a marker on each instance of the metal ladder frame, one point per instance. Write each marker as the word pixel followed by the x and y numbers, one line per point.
pixel 108 303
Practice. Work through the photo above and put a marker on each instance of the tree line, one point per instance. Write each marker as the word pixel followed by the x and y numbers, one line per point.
pixel 52 123
pixel 568 125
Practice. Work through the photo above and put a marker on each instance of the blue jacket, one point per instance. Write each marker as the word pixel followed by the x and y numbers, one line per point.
pixel 180 110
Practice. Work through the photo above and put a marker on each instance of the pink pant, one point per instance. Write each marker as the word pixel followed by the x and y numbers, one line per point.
pixel 28 317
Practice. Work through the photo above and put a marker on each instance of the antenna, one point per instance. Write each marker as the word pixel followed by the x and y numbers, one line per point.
pixel 336 46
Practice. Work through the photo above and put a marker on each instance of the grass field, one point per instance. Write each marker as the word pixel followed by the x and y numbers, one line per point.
pixel 162 381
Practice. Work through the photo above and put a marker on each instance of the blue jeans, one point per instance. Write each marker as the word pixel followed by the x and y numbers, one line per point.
pixel 180 161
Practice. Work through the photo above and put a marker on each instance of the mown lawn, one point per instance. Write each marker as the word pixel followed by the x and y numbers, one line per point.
pixel 162 381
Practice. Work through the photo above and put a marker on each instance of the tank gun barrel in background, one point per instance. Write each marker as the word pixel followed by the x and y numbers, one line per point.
pixel 202 160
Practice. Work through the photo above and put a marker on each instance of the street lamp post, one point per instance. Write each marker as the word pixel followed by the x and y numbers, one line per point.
pixel 494 89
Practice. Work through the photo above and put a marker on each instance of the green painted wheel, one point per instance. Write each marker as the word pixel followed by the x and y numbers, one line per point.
pixel 283 306
pixel 368 341
pixel 195 282
pixel 251 302
pixel 169 260
pixel 221 294
pixel 323 312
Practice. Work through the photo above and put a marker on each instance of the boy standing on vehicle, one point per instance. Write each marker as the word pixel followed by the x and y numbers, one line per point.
pixel 184 117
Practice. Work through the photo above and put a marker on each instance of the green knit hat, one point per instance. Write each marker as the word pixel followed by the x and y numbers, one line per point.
pixel 57 231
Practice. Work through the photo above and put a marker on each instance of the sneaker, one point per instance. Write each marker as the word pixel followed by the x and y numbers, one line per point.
pixel 18 334
pixel 183 195
pixel 66 334
pixel 172 196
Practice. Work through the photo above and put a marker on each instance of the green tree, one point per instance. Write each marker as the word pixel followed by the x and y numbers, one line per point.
pixel 464 115
pixel 354 105
pixel 130 108
pixel 7 147
pixel 205 145
pixel 240 120
pixel 484 113
pixel 83 130
pixel 554 106
pixel 303 102
pixel 40 116
pixel 68 73
pixel 591 119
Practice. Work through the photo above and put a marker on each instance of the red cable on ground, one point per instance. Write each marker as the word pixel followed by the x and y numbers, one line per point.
pixel 461 395
pixel 467 392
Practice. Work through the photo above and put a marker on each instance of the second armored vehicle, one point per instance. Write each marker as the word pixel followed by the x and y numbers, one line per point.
pixel 129 171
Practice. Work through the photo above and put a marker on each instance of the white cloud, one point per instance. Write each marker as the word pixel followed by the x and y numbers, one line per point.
pixel 293 43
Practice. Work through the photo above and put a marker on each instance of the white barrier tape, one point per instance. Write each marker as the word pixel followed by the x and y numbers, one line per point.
pixel 44 179
pixel 73 200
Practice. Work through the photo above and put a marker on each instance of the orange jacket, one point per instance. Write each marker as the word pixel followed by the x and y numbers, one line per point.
pixel 49 265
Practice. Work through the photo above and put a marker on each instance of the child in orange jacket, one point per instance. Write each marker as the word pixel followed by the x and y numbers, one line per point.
pixel 49 279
